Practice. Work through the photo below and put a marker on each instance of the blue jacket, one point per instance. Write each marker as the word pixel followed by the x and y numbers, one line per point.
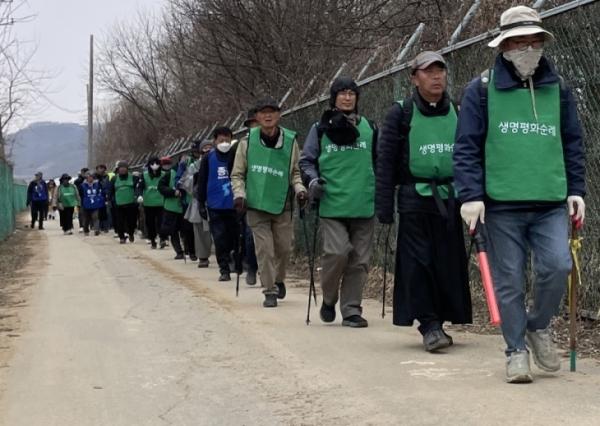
pixel 93 195
pixel 37 191
pixel 471 133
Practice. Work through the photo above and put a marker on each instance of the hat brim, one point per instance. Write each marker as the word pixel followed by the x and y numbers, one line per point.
pixel 249 121
pixel 264 107
pixel 428 64
pixel 521 31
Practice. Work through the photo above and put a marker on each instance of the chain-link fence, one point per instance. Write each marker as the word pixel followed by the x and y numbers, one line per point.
pixel 575 24
pixel 13 196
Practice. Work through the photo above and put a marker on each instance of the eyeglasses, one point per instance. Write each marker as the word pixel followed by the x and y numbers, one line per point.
pixel 523 45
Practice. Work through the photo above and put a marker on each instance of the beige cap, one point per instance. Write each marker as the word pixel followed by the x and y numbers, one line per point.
pixel 519 21
pixel 425 59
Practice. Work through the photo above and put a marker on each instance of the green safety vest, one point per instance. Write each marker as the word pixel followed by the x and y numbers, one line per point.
pixel 68 196
pixel 152 198
pixel 124 193
pixel 173 204
pixel 431 144
pixel 349 176
pixel 524 155
pixel 268 172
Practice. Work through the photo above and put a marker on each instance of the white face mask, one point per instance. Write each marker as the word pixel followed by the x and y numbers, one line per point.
pixel 224 147
pixel 525 61
pixel 155 167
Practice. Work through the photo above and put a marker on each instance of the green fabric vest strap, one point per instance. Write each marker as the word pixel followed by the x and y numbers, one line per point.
pixel 349 176
pixel 124 191
pixel 152 198
pixel 431 144
pixel 268 172
pixel 523 153
pixel 68 196
pixel 173 204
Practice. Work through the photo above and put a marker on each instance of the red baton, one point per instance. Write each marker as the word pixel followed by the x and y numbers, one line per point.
pixel 486 277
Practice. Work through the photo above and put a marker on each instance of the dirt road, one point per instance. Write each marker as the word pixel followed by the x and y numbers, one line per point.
pixel 122 335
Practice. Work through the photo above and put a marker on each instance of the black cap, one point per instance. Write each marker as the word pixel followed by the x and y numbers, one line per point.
pixel 339 84
pixel 65 176
pixel 250 117
pixel 265 103
pixel 122 163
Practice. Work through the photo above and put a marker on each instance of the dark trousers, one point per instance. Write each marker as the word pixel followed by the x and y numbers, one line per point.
pixel 66 218
pixel 172 226
pixel 104 219
pixel 90 220
pixel 153 218
pixel 126 219
pixel 249 252
pixel 37 212
pixel 224 228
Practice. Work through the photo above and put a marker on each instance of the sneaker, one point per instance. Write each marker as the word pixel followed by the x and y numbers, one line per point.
pixel 225 276
pixel 96 233
pixel 179 256
pixel 203 263
pixel 327 313
pixel 193 257
pixel 517 368
pixel 71 232
pixel 153 244
pixel 131 238
pixel 251 277
pixel 281 291
pixel 270 301
pixel 543 350
pixel 122 241
pixel 355 321
pixel 435 339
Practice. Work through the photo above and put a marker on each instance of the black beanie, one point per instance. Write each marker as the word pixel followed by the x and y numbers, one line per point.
pixel 339 84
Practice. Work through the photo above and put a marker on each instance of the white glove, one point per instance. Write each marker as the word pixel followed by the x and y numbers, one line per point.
pixel 471 212
pixel 140 199
pixel 576 207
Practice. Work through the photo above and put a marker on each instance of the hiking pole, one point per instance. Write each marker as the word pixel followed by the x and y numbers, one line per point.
pixel 311 287
pixel 574 281
pixel 385 267
pixel 486 275
pixel 238 256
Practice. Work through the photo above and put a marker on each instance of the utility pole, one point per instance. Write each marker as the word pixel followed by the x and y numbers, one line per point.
pixel 90 101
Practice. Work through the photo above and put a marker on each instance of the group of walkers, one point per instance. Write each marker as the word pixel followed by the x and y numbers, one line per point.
pixel 509 160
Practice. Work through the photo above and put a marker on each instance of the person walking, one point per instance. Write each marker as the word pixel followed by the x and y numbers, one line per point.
pixel 51 199
pixel 215 199
pixel 104 213
pixel 151 199
pixel 93 200
pixel 415 152
pixel 264 175
pixel 37 199
pixel 172 219
pixel 67 200
pixel 123 186
pixel 520 172
pixel 338 165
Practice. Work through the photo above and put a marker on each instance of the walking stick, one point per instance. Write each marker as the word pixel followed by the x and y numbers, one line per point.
pixel 312 292
pixel 238 256
pixel 574 281
pixel 385 267
pixel 486 276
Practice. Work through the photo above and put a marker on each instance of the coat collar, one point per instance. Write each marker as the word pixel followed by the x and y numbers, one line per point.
pixel 505 76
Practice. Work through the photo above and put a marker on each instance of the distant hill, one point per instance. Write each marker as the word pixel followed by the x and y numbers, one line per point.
pixel 52 148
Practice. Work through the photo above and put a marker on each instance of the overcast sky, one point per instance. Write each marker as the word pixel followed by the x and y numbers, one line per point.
pixel 61 30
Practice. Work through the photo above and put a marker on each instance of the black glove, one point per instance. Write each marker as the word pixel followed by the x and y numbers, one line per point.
pixel 316 189
pixel 203 212
pixel 385 219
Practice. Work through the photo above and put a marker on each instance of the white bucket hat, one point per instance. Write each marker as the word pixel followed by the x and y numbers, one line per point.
pixel 520 21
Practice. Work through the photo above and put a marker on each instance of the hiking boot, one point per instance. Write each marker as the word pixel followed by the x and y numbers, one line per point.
pixel 193 257
pixel 41 228
pixel 153 245
pixel 281 291
pixel 251 277
pixel 355 321
pixel 435 339
pixel 448 337
pixel 543 350
pixel 70 232
pixel 270 301
pixel 32 225
pixel 131 238
pixel 327 313
pixel 122 241
pixel 225 276
pixel 203 263
pixel 179 256
pixel 517 368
